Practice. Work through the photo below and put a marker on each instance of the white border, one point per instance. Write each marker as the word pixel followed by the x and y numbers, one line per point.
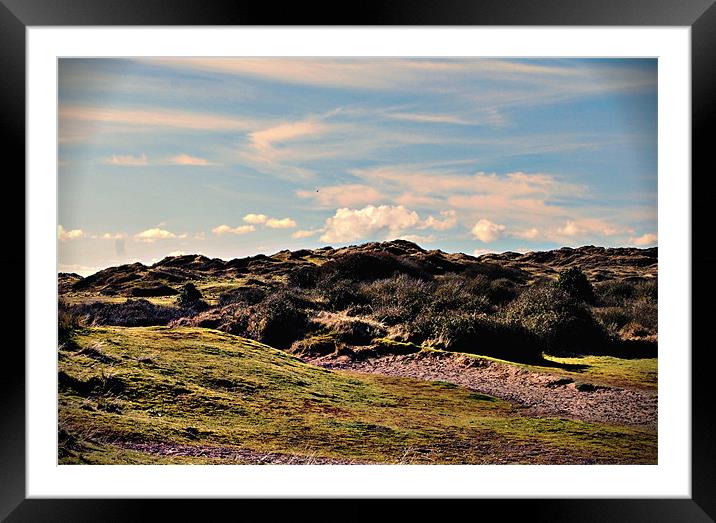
pixel 670 478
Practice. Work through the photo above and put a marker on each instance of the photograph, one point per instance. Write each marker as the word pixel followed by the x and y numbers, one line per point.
pixel 409 260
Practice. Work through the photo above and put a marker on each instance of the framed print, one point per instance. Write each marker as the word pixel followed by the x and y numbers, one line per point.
pixel 447 260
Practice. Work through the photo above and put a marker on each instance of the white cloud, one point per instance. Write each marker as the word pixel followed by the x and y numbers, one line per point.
pixel 353 224
pixel 176 253
pixel 645 239
pixel 74 234
pixel 305 233
pixel 448 222
pixel 154 234
pixel 255 219
pixel 271 223
pixel 128 160
pixel 185 159
pixel 225 229
pixel 283 223
pixel 487 231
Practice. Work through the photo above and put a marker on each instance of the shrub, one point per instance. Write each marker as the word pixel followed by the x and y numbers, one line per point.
pixel 131 313
pixel 303 277
pixel 560 322
pixel 360 266
pixel 647 291
pixel 398 299
pixel 478 333
pixel 68 322
pixel 319 345
pixel 614 293
pixel 248 295
pixel 190 298
pixel 457 292
pixel 646 314
pixel 575 283
pixel 277 321
pixel 157 290
pixel 354 331
pixel 341 294
pixel 612 318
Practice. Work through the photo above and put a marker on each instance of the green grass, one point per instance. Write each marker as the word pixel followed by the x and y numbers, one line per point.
pixel 234 392
pixel 597 370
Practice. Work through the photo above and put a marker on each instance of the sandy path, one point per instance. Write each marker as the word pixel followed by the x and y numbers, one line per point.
pixel 540 393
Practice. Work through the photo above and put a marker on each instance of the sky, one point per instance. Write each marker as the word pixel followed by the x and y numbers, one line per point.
pixel 230 157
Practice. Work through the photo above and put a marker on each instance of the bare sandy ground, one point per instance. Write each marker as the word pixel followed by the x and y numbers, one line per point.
pixel 539 393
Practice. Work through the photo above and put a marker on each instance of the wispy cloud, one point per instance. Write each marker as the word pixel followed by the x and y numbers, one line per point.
pixel 186 159
pixel 128 160
pixel 153 118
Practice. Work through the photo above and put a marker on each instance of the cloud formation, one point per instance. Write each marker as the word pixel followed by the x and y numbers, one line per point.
pixel 65 235
pixel 487 231
pixel 645 239
pixel 154 234
pixel 353 224
pixel 225 229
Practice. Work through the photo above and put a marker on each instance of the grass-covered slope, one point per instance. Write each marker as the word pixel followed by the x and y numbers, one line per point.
pixel 192 395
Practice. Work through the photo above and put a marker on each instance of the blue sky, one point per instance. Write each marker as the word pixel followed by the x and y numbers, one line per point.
pixel 233 157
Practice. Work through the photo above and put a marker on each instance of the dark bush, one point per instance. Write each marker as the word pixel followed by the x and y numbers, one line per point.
pixel 190 298
pixel 246 295
pixel 398 299
pixel 456 292
pixel 341 294
pixel 355 331
pixel 561 323
pixel 575 283
pixel 68 322
pixel 646 314
pixel 501 291
pixel 277 321
pixel 614 293
pixel 157 290
pixel 319 345
pixel 131 313
pixel 304 277
pixel 478 333
pixel 647 291
pixel 362 267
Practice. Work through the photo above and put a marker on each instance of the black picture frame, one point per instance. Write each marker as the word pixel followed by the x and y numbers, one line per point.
pixel 699 15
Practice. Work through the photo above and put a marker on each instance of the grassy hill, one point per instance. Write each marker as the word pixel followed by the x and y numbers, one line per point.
pixel 195 395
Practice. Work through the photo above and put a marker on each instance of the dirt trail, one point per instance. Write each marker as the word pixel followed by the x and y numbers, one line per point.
pixel 539 393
